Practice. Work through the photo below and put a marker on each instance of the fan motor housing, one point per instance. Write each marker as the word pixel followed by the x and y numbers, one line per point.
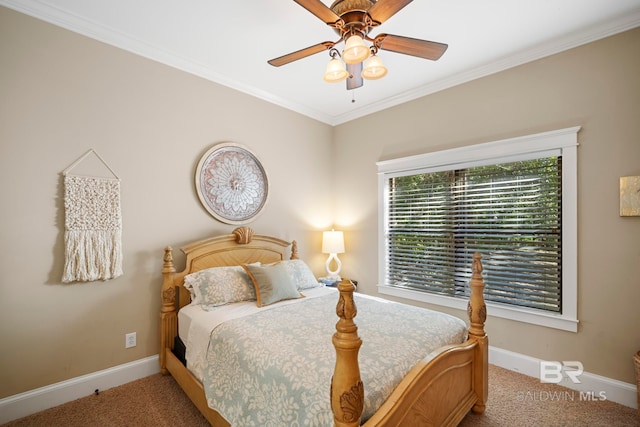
pixel 354 15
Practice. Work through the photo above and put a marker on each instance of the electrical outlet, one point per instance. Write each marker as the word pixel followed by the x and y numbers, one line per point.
pixel 130 340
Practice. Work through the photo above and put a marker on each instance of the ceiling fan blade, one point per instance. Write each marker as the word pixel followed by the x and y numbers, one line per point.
pixel 302 53
pixel 354 80
pixel 320 10
pixel 408 46
pixel 385 9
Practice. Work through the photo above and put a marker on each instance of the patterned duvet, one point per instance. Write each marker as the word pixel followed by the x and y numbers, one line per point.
pixel 274 368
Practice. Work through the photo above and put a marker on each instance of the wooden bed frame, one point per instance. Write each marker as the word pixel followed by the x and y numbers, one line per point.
pixel 439 390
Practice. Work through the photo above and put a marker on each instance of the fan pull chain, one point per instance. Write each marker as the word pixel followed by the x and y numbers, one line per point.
pixel 353 97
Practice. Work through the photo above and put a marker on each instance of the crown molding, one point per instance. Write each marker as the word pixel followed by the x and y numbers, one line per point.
pixel 558 45
pixel 108 35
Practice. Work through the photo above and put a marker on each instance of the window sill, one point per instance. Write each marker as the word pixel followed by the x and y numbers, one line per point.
pixel 521 315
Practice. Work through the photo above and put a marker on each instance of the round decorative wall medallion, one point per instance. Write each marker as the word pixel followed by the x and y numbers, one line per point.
pixel 231 183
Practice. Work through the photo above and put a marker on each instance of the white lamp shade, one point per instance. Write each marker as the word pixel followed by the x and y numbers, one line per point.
pixel 335 72
pixel 355 50
pixel 374 68
pixel 333 242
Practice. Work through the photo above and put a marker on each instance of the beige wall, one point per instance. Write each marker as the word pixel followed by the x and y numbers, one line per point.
pixel 61 94
pixel 596 86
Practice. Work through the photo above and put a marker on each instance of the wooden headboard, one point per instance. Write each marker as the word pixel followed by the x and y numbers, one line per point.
pixel 242 246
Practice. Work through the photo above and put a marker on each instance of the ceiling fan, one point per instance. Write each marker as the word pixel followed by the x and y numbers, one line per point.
pixel 353 20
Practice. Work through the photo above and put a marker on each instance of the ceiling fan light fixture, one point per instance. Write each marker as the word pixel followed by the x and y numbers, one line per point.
pixel 353 20
pixel 336 72
pixel 355 50
pixel 374 68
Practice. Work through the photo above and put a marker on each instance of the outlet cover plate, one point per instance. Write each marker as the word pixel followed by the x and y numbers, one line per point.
pixel 130 340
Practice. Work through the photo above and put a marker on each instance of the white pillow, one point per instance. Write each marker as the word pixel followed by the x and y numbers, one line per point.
pixel 217 286
pixel 300 274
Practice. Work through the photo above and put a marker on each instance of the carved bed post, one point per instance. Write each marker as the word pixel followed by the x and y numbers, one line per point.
pixel 477 311
pixel 168 318
pixel 347 390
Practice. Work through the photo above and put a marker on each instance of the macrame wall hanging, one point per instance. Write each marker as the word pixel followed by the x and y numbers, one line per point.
pixel 93 226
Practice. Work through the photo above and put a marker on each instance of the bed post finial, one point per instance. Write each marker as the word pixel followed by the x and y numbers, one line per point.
pixel 243 235
pixel 168 318
pixel 294 250
pixel 347 390
pixel 476 307
pixel 168 290
pixel 477 310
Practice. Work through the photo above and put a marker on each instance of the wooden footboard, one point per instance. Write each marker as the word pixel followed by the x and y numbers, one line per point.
pixel 440 390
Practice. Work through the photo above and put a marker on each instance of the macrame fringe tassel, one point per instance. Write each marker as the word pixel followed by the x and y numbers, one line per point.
pixel 92 255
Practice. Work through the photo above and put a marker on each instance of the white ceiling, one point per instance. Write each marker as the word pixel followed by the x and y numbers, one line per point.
pixel 230 42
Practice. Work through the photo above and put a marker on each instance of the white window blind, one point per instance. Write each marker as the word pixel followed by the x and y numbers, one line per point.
pixel 510 212
pixel 514 201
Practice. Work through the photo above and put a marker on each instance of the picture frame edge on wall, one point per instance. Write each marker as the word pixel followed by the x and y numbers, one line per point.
pixel 629 196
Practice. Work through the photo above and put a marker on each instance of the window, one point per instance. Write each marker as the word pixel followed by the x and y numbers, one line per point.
pixel 513 200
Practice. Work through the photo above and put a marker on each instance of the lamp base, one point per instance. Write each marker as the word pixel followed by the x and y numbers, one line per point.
pixel 333 274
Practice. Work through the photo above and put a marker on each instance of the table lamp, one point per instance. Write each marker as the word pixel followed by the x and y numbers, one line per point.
pixel 333 244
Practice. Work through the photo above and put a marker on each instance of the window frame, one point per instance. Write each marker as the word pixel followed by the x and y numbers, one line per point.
pixel 562 142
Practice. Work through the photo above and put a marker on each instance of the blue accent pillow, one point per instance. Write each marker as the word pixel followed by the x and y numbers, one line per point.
pixel 272 283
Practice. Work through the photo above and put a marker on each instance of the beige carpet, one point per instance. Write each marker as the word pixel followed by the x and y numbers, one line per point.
pixel 520 400
pixel 514 400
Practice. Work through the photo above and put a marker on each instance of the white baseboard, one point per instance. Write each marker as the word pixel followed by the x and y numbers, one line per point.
pixel 591 385
pixel 33 401
pixel 30 402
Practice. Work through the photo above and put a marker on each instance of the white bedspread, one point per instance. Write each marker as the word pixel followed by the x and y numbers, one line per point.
pixel 195 325
pixel 252 383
